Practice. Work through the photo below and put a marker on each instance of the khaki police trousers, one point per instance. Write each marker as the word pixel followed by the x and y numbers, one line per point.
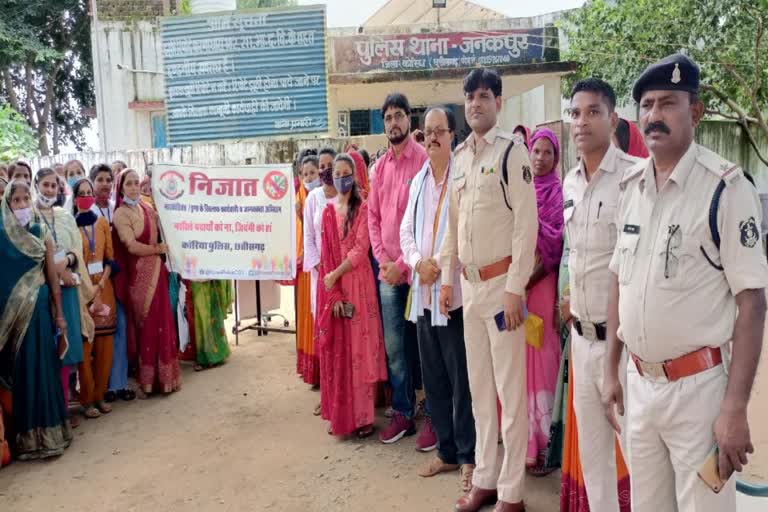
pixel 597 446
pixel 669 435
pixel 496 365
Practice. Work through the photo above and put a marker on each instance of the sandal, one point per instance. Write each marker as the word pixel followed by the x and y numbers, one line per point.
pixel 110 396
pixel 126 395
pixel 539 470
pixel 198 367
pixel 74 422
pixel 92 412
pixel 466 471
pixel 104 408
pixel 316 411
pixel 364 432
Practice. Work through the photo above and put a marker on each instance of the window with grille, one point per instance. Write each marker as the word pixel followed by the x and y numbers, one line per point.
pixel 360 122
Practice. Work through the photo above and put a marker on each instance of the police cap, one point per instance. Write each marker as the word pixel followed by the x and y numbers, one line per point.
pixel 675 72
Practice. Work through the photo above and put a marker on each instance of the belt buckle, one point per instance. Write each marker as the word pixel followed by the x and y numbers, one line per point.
pixel 653 370
pixel 472 273
pixel 589 331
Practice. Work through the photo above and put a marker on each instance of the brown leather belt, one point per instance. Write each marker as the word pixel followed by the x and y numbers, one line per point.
pixel 683 366
pixel 473 274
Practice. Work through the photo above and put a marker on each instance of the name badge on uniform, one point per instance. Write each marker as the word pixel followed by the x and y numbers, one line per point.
pixel 97 267
pixel 632 229
pixel 59 256
pixel 568 204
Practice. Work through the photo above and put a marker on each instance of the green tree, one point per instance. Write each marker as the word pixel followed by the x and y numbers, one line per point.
pixel 617 39
pixel 46 67
pixel 17 140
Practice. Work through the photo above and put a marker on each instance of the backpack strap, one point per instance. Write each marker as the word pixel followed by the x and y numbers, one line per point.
pixel 505 174
pixel 714 206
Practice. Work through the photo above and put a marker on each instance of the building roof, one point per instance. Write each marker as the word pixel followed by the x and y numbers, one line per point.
pixel 408 12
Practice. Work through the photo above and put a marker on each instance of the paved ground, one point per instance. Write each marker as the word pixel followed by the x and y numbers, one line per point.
pixel 242 438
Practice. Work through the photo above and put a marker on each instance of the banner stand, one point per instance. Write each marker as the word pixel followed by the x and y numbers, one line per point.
pixel 261 330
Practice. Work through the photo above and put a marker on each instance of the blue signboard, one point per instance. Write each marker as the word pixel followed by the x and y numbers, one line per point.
pixel 244 74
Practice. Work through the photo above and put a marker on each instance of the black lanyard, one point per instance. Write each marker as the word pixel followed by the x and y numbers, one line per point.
pixel 107 215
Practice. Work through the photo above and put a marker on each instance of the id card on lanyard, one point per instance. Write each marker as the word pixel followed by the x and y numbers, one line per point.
pixel 95 267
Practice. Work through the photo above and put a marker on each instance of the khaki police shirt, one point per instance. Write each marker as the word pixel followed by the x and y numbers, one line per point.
pixel 481 229
pixel 589 209
pixel 671 300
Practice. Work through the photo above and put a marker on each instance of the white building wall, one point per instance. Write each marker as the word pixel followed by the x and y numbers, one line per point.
pixel 123 53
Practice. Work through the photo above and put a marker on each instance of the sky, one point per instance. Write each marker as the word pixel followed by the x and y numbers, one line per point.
pixel 351 13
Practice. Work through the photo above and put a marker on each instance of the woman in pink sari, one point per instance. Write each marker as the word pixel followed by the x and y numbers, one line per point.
pixel 142 287
pixel 543 363
pixel 348 328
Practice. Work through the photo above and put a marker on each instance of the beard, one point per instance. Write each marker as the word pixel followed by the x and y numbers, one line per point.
pixel 397 139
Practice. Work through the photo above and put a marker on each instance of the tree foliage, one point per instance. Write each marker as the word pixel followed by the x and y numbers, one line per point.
pixel 46 67
pixel 17 140
pixel 616 40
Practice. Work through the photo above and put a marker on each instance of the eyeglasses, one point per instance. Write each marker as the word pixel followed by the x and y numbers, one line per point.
pixel 397 116
pixel 437 132
pixel 674 239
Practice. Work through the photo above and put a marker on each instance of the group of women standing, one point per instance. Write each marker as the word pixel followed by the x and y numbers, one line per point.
pixel 85 301
pixel 340 343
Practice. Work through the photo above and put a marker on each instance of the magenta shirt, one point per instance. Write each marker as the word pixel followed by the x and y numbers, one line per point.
pixel 388 199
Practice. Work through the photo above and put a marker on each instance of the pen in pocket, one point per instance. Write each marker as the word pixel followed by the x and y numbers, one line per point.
pixel 599 207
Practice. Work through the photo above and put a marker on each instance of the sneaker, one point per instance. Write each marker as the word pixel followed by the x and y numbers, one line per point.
pixel 427 440
pixel 399 427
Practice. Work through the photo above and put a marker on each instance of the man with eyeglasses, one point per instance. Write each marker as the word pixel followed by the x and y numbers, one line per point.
pixel 492 228
pixel 387 201
pixel 590 196
pixel 682 268
pixel 441 337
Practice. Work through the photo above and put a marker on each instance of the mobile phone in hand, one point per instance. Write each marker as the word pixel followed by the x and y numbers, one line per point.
pixel 501 323
pixel 709 472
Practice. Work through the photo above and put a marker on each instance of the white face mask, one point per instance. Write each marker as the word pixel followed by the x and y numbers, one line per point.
pixel 23 215
pixel 45 201
pixel 130 202
pixel 311 185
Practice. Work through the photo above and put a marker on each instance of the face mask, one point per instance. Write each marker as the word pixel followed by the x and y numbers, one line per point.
pixel 327 176
pixel 45 201
pixel 23 215
pixel 72 181
pixel 312 185
pixel 130 202
pixel 84 203
pixel 344 184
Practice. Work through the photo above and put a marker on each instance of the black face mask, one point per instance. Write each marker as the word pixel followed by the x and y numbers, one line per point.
pixel 327 176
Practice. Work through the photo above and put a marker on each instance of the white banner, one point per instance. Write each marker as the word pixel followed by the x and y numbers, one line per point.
pixel 228 222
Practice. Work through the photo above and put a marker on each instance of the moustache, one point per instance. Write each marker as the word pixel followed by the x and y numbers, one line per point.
pixel 659 126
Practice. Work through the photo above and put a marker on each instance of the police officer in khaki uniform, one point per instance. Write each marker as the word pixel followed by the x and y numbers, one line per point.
pixel 492 227
pixel 590 197
pixel 680 275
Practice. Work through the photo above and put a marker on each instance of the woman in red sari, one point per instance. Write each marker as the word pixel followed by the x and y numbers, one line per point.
pixel 348 328
pixel 142 287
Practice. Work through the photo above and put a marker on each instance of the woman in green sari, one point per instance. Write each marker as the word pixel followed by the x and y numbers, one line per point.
pixel 31 343
pixel 212 300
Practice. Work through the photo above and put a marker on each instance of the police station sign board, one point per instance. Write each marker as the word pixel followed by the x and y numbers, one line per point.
pixel 245 74
pixel 228 222
pixel 441 50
